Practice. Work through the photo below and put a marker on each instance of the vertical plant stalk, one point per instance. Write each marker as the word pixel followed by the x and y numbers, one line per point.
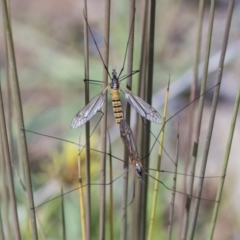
pixel 104 124
pixel 127 117
pixel 87 140
pixel 191 114
pixel 171 214
pixel 111 190
pixel 149 86
pixel 4 193
pixel 157 175
pixel 224 169
pixel 1 226
pixel 212 118
pixel 19 114
pixel 19 179
pixel 9 131
pixel 13 202
pixel 81 199
pixel 9 115
pixel 141 141
pixel 63 216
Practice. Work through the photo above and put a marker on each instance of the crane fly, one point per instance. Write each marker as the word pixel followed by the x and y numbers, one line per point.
pixel 129 141
pixel 143 108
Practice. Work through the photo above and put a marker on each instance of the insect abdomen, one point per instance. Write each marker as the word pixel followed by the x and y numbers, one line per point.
pixel 117 106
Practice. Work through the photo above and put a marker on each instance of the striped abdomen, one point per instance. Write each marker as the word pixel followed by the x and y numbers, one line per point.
pixel 117 106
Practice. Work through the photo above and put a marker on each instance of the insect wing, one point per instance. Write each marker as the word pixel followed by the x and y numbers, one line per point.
pixel 128 139
pixel 89 110
pixel 143 108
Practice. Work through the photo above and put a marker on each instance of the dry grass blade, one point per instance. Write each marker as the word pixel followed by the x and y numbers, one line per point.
pixel 171 214
pixel 4 140
pixel 157 175
pixel 104 124
pixel 19 113
pixel 212 118
pixel 87 135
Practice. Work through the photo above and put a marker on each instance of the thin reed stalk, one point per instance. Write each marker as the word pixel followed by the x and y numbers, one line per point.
pixel 81 199
pixel 87 130
pixel 198 122
pixel 157 175
pixel 4 199
pixel 171 214
pixel 4 194
pixel 149 86
pixel 104 124
pixel 212 118
pixel 1 226
pixel 63 216
pixel 7 158
pixel 191 114
pixel 129 49
pixel 135 234
pixel 9 115
pixel 225 164
pixel 19 114
pixel 224 168
pixel 111 219
pixel 19 179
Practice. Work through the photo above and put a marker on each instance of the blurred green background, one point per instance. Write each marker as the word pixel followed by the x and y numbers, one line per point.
pixel 48 40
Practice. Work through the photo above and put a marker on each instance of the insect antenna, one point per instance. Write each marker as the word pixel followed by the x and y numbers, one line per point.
pixel 105 66
pixel 125 56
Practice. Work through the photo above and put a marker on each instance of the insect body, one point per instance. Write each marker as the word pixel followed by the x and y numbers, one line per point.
pixel 116 102
pixel 143 108
pixel 129 142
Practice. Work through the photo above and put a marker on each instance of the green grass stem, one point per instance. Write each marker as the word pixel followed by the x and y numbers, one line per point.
pixel 171 213
pixel 19 114
pixel 157 175
pixel 212 118
pixel 87 128
pixel 102 219
pixel 13 200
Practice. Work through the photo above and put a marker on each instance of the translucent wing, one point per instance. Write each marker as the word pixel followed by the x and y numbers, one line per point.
pixel 89 110
pixel 144 109
pixel 128 139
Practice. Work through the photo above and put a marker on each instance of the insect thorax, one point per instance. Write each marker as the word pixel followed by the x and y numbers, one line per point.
pixel 114 81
